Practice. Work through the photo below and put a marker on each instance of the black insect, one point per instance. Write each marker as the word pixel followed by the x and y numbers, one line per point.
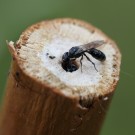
pixel 68 58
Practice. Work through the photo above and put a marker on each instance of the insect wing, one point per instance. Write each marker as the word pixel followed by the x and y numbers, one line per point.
pixel 94 44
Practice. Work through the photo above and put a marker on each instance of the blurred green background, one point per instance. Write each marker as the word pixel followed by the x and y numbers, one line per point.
pixel 115 17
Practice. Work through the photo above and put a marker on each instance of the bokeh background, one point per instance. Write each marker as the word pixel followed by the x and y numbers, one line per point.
pixel 115 17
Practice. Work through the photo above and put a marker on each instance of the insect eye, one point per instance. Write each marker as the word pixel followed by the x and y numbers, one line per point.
pixel 65 57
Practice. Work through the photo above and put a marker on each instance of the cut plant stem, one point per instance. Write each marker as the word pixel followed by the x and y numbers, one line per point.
pixel 41 98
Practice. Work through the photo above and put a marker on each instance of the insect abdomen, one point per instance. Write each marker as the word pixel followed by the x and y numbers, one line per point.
pixel 97 54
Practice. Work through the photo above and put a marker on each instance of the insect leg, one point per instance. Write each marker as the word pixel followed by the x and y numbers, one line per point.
pixel 81 62
pixel 90 61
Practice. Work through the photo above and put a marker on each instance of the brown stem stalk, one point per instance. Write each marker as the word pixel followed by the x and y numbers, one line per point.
pixel 42 98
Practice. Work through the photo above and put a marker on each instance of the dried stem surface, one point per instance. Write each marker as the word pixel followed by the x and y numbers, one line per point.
pixel 43 99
